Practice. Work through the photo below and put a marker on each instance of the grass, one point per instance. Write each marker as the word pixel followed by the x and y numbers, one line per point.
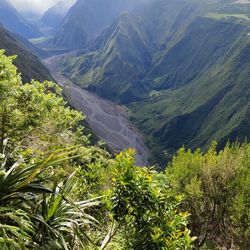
pixel 220 16
pixel 40 39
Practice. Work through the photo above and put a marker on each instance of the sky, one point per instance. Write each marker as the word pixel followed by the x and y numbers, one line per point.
pixel 35 6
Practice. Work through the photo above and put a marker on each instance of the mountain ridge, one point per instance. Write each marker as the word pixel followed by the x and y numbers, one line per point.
pixel 29 65
pixel 14 22
pixel 189 77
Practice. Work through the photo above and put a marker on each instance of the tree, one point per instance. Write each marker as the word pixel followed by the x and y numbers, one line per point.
pixel 147 214
pixel 34 116
pixel 216 193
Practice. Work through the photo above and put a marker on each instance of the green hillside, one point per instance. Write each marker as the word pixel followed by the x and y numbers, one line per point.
pixel 122 57
pixel 87 19
pixel 117 63
pixel 213 106
pixel 29 65
pixel 181 68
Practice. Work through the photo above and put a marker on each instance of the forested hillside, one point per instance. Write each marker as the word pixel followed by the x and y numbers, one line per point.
pixel 57 191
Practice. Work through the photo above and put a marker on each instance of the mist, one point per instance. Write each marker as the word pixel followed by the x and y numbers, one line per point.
pixel 33 6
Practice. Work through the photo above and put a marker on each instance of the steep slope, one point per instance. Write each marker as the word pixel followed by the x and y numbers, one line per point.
pixel 122 55
pixel 54 15
pixel 114 70
pixel 204 43
pixel 86 19
pixel 28 64
pixel 14 22
pixel 181 67
pixel 215 103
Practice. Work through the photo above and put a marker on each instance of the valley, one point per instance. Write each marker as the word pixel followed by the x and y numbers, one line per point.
pixel 108 120
pixel 125 125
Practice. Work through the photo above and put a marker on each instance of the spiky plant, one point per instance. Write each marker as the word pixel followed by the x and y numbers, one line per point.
pixel 63 220
pixel 32 215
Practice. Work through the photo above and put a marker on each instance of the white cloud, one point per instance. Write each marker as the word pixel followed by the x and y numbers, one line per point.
pixel 35 6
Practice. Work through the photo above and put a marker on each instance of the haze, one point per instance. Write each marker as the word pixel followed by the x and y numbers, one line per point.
pixel 33 6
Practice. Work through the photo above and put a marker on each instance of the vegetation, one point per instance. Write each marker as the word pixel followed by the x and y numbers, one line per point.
pixel 28 64
pixel 216 193
pixel 59 192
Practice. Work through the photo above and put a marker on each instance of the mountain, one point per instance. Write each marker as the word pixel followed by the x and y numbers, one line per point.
pixel 86 19
pixel 119 59
pixel 182 69
pixel 108 70
pixel 14 22
pixel 54 15
pixel 29 65
pixel 203 99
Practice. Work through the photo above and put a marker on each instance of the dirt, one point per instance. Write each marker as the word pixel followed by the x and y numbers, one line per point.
pixel 108 120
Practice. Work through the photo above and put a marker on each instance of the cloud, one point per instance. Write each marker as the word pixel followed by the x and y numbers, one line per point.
pixel 35 6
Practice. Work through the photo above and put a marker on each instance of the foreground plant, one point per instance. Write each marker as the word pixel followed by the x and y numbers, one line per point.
pixel 62 220
pixel 146 214
pixel 216 192
pixel 33 215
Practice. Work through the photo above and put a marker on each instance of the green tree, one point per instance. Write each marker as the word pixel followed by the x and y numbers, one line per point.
pixel 216 192
pixel 34 116
pixel 146 213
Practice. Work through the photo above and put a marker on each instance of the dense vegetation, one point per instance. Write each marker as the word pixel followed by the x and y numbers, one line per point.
pixel 59 192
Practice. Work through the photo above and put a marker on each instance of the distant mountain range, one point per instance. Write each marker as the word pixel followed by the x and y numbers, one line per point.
pixel 182 67
pixel 29 65
pixel 86 19
pixel 55 15
pixel 14 22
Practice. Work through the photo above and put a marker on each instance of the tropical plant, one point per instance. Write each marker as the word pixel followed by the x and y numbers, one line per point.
pixel 62 219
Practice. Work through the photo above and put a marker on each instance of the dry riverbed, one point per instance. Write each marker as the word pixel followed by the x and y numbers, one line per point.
pixel 108 120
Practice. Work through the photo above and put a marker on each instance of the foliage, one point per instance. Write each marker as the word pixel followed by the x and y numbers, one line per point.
pixel 216 192
pixel 36 205
pixel 62 219
pixel 59 192
pixel 34 116
pixel 147 214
